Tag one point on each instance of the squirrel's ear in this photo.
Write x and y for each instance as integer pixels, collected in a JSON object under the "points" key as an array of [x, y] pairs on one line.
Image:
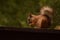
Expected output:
{"points": [[30, 15]]}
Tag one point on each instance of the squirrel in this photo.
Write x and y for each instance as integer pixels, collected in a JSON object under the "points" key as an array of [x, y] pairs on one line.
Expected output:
{"points": [[43, 20]]}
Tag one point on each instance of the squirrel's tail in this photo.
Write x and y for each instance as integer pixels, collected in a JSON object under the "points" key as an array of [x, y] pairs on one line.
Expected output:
{"points": [[46, 9]]}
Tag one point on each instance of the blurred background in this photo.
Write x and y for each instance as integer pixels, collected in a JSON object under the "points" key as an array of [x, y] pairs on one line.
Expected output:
{"points": [[14, 12]]}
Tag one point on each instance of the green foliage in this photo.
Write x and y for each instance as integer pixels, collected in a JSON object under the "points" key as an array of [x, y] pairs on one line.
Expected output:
{"points": [[14, 12]]}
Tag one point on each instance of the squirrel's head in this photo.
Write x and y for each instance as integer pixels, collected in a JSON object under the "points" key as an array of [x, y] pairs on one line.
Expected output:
{"points": [[31, 19]]}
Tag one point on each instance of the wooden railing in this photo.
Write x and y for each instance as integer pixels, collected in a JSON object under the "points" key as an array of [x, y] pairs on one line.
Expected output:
{"points": [[29, 30]]}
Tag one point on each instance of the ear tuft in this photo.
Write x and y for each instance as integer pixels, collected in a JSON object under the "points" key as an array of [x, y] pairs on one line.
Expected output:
{"points": [[30, 15]]}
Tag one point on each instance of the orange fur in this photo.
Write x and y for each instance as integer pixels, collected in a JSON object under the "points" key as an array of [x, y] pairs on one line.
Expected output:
{"points": [[43, 20]]}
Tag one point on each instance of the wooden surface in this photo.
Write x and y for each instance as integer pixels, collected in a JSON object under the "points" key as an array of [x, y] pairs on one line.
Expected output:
{"points": [[29, 30]]}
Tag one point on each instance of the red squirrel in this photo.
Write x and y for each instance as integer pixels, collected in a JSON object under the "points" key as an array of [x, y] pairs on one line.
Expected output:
{"points": [[43, 20]]}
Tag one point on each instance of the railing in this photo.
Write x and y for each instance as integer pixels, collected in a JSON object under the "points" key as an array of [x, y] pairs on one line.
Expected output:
{"points": [[29, 30]]}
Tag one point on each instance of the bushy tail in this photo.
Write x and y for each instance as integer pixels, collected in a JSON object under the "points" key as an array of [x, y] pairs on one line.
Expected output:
{"points": [[46, 8]]}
